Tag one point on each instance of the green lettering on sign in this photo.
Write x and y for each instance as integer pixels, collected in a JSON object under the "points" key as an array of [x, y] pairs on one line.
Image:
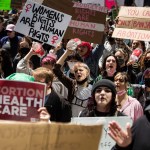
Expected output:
{"points": [[5, 4]]}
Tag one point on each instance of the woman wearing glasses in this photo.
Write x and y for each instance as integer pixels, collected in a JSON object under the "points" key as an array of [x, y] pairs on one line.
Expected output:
{"points": [[126, 104]]}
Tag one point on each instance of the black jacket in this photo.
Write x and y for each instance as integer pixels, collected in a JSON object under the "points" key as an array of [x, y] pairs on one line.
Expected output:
{"points": [[58, 108], [94, 113]]}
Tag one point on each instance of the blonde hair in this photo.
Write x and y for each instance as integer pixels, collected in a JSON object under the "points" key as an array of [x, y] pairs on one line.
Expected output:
{"points": [[43, 73], [80, 64]]}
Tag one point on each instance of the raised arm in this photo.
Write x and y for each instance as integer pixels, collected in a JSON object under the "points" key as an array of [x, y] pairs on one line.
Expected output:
{"points": [[62, 59], [59, 73], [23, 64]]}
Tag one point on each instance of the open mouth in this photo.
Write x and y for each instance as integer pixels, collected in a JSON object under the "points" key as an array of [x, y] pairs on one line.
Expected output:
{"points": [[110, 66], [78, 76]]}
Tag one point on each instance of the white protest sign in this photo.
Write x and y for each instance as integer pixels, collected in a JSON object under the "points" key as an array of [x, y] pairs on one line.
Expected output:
{"points": [[106, 142], [42, 23], [100, 2]]}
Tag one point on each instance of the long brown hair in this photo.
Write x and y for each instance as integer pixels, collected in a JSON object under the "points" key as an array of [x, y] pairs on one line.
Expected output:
{"points": [[141, 62]]}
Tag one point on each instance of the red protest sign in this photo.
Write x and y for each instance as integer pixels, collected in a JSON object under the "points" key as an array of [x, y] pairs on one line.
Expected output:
{"points": [[20, 100]]}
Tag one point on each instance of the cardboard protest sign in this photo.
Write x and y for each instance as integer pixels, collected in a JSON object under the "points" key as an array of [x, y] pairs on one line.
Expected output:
{"points": [[100, 2], [133, 23], [42, 23], [16, 4], [45, 136], [20, 100], [106, 142], [132, 34], [136, 12], [5, 4], [87, 19]]}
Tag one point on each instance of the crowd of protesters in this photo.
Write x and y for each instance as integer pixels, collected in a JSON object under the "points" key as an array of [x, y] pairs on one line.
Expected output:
{"points": [[93, 80]]}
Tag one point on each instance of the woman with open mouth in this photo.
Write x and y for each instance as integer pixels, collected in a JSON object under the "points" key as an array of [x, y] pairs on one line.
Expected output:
{"points": [[109, 68], [79, 89]]}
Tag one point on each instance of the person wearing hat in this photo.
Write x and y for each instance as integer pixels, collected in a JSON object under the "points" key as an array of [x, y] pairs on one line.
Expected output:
{"points": [[11, 41], [90, 56], [25, 66], [137, 137], [102, 102]]}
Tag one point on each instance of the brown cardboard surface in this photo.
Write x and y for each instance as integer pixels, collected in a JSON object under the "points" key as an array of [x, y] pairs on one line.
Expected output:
{"points": [[16, 4], [79, 14], [123, 33], [133, 23], [46, 136], [136, 12]]}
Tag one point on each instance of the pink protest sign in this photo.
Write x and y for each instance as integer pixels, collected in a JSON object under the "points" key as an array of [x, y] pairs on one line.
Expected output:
{"points": [[110, 3], [20, 100]]}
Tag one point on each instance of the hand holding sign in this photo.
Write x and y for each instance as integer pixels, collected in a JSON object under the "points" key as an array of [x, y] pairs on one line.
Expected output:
{"points": [[44, 115], [73, 44], [38, 49]]}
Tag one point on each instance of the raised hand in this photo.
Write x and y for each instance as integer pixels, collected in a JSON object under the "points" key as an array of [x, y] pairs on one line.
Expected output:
{"points": [[122, 138]]}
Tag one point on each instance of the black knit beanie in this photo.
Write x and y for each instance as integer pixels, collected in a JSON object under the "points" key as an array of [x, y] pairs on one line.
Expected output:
{"points": [[105, 83]]}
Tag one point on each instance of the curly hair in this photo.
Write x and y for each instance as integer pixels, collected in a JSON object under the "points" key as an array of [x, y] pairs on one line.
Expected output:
{"points": [[141, 62]]}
